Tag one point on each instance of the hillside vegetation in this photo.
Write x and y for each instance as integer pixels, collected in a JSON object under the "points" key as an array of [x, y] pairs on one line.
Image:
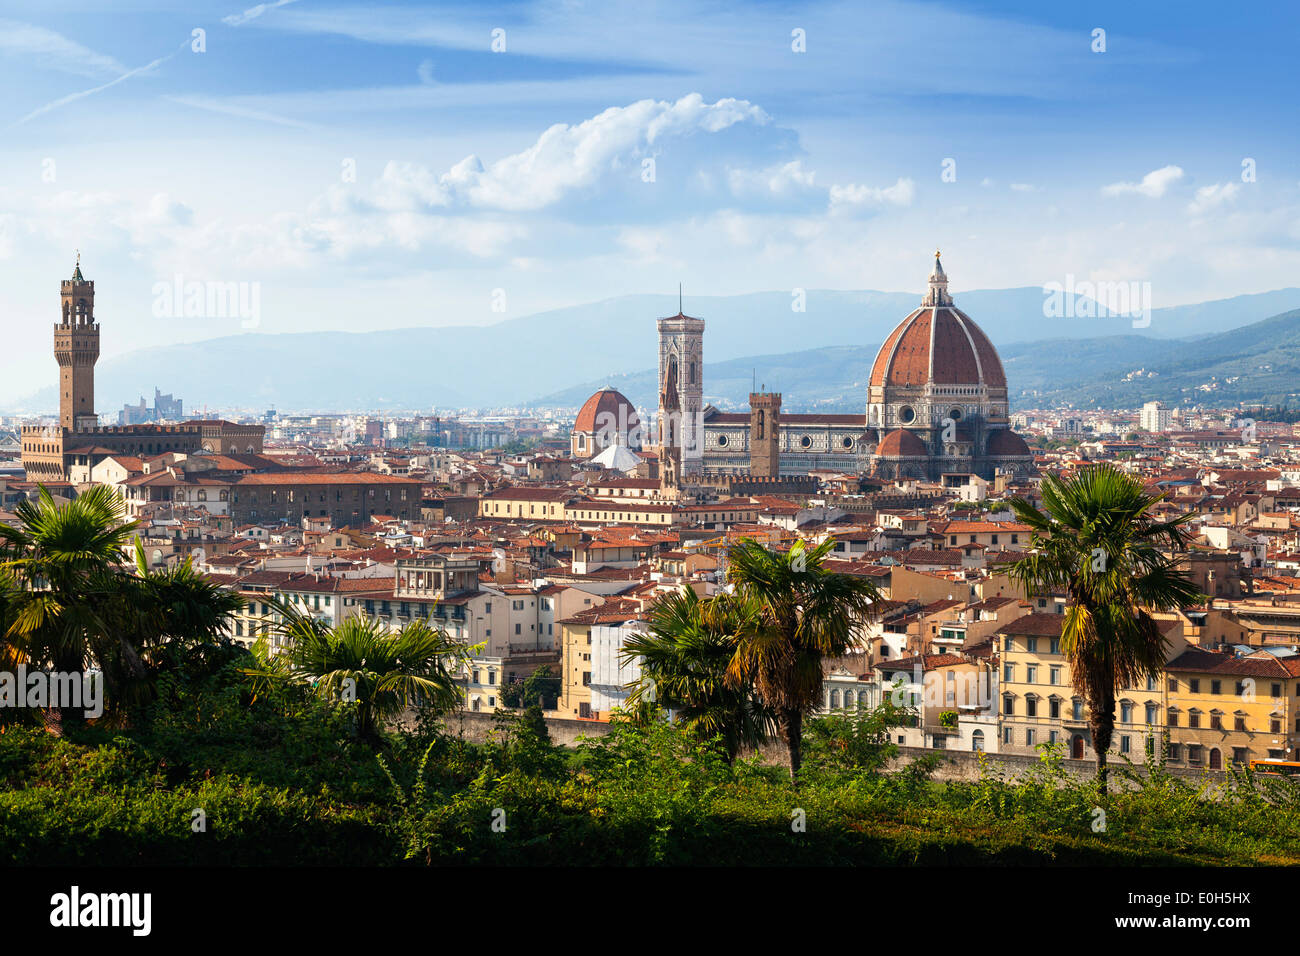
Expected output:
{"points": [[290, 783]]}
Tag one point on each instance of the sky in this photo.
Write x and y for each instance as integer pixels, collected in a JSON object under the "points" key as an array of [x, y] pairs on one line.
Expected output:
{"points": [[358, 166]]}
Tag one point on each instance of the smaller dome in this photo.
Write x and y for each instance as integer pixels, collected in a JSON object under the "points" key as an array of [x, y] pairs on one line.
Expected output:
{"points": [[901, 443], [616, 458], [607, 409], [1004, 443]]}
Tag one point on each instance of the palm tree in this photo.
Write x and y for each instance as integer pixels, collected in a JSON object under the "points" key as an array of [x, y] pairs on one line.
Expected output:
{"points": [[161, 616], [382, 670], [62, 567], [790, 614], [684, 659], [69, 601], [1096, 541]]}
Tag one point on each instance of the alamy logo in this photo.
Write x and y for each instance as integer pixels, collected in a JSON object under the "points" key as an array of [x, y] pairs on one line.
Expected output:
{"points": [[619, 429], [968, 688], [678, 429], [179, 299], [70, 690], [74, 908], [1098, 300]]}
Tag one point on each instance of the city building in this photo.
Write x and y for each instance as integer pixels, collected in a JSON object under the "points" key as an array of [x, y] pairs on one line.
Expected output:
{"points": [[605, 420], [1225, 707], [1155, 417], [49, 452], [165, 408], [936, 403], [937, 397]]}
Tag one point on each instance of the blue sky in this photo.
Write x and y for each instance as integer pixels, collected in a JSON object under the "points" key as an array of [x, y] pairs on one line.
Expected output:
{"points": [[518, 179]]}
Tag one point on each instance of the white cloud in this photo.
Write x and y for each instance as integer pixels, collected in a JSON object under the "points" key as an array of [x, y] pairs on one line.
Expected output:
{"points": [[228, 108], [167, 211], [1154, 184], [645, 244], [858, 198], [1210, 197], [565, 159], [82, 94], [779, 182], [252, 13], [1025, 188], [54, 49]]}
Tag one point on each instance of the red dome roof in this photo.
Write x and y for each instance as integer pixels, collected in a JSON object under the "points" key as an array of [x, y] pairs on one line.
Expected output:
{"points": [[1004, 443], [938, 344], [901, 443], [602, 411]]}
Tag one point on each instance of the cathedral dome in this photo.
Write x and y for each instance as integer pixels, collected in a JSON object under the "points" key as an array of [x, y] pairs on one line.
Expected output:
{"points": [[605, 419], [1004, 443], [901, 443], [937, 344], [607, 408]]}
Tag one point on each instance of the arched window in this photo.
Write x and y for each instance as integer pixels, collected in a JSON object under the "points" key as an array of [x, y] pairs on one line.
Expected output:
{"points": [[977, 740], [835, 700]]}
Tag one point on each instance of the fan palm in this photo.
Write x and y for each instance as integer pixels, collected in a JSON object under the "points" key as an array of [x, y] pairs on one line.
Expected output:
{"points": [[382, 670], [684, 659], [68, 600], [63, 564], [1096, 541], [790, 613], [160, 615]]}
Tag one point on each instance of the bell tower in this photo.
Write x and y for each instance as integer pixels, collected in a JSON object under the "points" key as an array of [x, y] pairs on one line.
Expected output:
{"points": [[681, 393], [765, 434], [76, 349]]}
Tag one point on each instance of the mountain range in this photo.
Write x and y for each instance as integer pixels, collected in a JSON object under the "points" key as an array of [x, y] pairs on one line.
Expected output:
{"points": [[818, 357]]}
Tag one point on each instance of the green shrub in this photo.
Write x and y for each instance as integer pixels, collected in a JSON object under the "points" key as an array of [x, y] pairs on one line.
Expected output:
{"points": [[285, 782]]}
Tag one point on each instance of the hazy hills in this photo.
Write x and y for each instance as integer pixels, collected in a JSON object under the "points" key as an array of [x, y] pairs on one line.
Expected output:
{"points": [[1256, 363], [818, 357]]}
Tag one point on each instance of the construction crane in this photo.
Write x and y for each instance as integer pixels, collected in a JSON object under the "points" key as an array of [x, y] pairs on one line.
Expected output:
{"points": [[780, 537]]}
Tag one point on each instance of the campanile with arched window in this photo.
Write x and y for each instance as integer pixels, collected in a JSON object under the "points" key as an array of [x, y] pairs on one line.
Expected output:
{"points": [[76, 349]]}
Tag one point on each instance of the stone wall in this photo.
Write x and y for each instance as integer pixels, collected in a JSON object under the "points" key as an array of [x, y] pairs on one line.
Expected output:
{"points": [[564, 731], [963, 766], [955, 766]]}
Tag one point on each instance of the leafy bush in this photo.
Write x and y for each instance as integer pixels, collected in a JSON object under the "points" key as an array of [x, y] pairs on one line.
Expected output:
{"points": [[283, 781]]}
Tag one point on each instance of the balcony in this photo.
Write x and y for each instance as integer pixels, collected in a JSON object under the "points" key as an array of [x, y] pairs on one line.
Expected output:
{"points": [[527, 654], [932, 725]]}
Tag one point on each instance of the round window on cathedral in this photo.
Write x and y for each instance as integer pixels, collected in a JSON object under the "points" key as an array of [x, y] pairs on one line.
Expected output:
{"points": [[722, 441], [954, 414], [907, 414], [806, 441], [847, 442]]}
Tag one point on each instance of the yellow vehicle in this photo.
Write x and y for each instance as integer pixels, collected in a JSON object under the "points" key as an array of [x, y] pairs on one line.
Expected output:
{"points": [[1276, 768]]}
